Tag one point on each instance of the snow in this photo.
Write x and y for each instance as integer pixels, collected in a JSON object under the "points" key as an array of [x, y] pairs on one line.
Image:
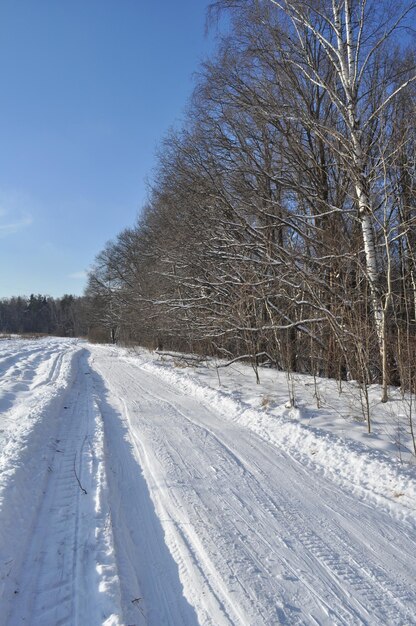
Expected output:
{"points": [[136, 491]]}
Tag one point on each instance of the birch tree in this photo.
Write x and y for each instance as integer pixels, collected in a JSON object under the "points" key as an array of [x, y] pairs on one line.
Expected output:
{"points": [[355, 39]]}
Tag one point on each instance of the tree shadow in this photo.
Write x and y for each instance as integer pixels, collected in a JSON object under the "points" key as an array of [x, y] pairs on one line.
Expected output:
{"points": [[151, 590]]}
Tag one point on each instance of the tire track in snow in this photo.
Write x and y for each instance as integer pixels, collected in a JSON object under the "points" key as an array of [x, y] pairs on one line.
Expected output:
{"points": [[219, 577], [252, 543], [285, 538], [64, 579], [28, 350], [348, 569], [151, 593]]}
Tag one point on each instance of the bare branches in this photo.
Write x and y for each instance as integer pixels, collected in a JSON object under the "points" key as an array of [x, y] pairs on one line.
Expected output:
{"points": [[281, 223]]}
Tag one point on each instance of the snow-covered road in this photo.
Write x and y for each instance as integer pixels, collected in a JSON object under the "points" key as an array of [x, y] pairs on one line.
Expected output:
{"points": [[126, 499]]}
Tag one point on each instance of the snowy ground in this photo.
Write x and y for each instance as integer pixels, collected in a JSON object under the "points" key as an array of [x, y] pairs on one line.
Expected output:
{"points": [[135, 491]]}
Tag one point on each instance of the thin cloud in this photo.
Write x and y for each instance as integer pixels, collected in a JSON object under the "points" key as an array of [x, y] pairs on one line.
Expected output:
{"points": [[10, 224], [78, 275]]}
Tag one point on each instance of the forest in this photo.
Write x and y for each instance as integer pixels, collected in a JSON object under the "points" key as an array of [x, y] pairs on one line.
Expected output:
{"points": [[40, 314], [280, 225]]}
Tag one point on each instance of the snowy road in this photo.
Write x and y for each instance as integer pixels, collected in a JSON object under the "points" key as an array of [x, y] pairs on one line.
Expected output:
{"points": [[125, 500]]}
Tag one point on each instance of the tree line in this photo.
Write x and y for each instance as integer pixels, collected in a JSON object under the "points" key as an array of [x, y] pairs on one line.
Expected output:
{"points": [[280, 224], [65, 317]]}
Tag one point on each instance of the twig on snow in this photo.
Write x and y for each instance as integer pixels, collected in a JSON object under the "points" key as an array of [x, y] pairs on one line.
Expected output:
{"points": [[76, 476]]}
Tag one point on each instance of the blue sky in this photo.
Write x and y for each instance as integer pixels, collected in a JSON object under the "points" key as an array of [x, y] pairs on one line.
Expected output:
{"points": [[88, 90]]}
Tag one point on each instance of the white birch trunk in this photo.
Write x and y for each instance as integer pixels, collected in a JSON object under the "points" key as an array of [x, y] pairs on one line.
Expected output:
{"points": [[379, 313]]}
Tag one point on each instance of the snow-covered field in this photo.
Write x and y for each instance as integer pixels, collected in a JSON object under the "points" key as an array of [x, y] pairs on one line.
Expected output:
{"points": [[137, 491]]}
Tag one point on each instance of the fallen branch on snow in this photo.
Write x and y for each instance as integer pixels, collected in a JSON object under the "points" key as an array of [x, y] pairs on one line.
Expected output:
{"points": [[76, 475]]}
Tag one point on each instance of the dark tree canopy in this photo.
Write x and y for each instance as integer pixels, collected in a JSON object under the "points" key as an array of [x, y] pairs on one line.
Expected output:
{"points": [[64, 316]]}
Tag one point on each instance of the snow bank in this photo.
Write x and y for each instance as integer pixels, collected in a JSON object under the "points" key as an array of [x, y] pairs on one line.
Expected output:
{"points": [[368, 471]]}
